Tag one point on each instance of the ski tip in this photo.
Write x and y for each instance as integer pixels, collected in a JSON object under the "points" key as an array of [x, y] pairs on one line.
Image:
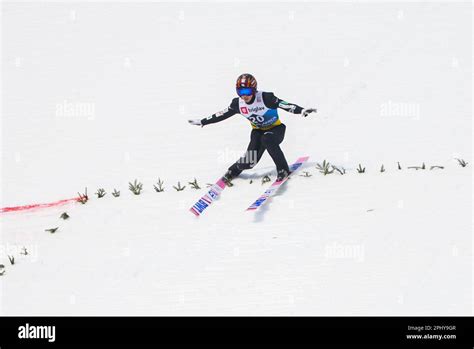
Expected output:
{"points": [[192, 210], [302, 159]]}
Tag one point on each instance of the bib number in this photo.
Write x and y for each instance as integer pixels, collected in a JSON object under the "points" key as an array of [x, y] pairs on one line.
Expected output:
{"points": [[258, 118]]}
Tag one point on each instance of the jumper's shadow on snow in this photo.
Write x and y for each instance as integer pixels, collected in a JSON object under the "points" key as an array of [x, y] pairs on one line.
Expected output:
{"points": [[270, 171], [259, 175]]}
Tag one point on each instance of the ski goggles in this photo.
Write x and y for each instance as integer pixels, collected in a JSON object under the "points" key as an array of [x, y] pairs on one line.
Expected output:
{"points": [[245, 91]]}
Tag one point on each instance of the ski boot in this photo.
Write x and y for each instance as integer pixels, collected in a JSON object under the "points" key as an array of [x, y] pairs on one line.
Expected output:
{"points": [[227, 178], [282, 174]]}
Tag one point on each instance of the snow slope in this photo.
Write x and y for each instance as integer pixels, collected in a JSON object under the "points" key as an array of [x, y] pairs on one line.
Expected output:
{"points": [[98, 94]]}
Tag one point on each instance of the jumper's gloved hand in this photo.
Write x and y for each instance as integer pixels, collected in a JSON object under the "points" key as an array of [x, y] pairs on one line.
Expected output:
{"points": [[308, 111], [196, 122]]}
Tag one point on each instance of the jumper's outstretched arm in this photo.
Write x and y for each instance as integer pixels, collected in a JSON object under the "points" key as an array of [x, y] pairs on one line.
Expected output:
{"points": [[232, 109]]}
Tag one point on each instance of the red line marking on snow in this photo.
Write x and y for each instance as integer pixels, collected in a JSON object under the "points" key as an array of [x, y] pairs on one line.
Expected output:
{"points": [[29, 207]]}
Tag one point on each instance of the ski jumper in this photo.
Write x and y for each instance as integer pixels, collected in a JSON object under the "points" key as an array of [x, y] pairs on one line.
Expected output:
{"points": [[267, 129]]}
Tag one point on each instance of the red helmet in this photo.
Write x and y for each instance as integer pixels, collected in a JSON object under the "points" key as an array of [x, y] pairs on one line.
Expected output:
{"points": [[246, 85], [246, 80]]}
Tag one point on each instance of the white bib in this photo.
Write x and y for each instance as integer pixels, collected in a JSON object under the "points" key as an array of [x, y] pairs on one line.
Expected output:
{"points": [[257, 113]]}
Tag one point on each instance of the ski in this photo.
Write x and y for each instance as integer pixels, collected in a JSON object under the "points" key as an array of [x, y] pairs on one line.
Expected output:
{"points": [[207, 199], [277, 184]]}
